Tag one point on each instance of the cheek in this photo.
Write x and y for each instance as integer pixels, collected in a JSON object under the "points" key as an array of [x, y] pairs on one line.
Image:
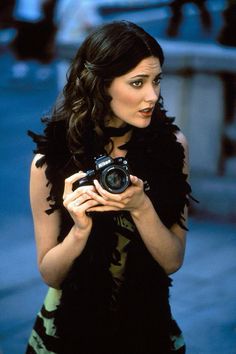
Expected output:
{"points": [[124, 98]]}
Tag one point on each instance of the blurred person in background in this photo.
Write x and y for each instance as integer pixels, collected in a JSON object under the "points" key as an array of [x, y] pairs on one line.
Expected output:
{"points": [[6, 13], [227, 36], [35, 37], [176, 7], [6, 22], [109, 197]]}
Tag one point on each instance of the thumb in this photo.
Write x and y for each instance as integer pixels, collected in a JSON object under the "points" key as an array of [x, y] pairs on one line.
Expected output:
{"points": [[136, 181]]}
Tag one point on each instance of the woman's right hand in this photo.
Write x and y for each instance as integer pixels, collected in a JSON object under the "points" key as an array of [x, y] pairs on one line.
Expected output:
{"points": [[56, 258], [77, 202]]}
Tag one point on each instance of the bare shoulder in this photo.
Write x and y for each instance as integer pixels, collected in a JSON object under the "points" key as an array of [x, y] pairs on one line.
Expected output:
{"points": [[38, 181], [181, 138], [37, 172], [183, 141], [36, 158]]}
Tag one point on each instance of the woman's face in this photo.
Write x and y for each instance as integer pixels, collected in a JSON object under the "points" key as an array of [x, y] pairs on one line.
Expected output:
{"points": [[135, 94]]}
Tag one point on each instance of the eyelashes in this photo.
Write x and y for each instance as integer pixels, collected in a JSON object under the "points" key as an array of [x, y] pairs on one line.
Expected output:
{"points": [[159, 78], [139, 82]]}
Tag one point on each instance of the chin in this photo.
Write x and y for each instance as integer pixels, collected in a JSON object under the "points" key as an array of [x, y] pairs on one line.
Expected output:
{"points": [[144, 124]]}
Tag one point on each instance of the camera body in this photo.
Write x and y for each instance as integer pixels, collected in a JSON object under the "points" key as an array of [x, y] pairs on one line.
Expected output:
{"points": [[112, 174]]}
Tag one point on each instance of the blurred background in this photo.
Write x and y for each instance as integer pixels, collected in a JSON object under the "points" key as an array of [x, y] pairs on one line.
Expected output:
{"points": [[38, 39]]}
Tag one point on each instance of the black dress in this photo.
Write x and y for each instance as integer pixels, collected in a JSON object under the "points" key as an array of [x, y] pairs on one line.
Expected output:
{"points": [[115, 299]]}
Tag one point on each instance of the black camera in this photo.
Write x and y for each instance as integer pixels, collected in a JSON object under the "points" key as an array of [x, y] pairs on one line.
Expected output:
{"points": [[112, 174]]}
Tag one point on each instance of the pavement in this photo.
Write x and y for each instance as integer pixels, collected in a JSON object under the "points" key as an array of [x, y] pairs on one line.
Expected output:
{"points": [[204, 294]]}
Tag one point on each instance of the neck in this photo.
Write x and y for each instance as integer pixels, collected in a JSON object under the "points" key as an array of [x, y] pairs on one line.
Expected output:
{"points": [[117, 145], [114, 132], [119, 140]]}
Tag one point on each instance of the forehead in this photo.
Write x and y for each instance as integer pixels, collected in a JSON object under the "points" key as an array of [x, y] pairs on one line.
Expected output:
{"points": [[146, 66]]}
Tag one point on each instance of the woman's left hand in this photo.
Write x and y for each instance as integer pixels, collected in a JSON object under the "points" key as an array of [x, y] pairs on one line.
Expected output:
{"points": [[131, 199]]}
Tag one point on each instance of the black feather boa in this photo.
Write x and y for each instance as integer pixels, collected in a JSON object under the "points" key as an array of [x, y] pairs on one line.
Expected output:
{"points": [[87, 320]]}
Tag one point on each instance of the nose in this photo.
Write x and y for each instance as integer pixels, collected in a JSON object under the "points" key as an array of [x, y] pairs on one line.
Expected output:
{"points": [[152, 94]]}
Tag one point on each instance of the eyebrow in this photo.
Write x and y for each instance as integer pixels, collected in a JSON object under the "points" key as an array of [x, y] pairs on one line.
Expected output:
{"points": [[144, 75]]}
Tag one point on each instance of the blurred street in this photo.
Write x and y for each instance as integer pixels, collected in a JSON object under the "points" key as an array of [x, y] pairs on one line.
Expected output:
{"points": [[204, 294], [22, 103], [203, 297]]}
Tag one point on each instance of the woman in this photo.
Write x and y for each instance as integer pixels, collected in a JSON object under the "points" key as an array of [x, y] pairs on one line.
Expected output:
{"points": [[106, 255]]}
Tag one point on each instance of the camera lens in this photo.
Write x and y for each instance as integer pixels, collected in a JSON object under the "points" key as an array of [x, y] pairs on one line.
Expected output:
{"points": [[115, 179]]}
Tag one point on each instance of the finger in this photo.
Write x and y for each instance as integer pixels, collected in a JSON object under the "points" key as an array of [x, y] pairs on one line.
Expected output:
{"points": [[103, 201], [76, 193], [81, 209], [105, 194], [102, 208], [71, 203], [79, 194], [86, 206], [136, 181], [70, 180], [73, 198], [83, 189]]}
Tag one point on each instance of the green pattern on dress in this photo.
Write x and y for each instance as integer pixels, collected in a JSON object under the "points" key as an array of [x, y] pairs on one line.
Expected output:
{"points": [[51, 302], [37, 344], [118, 269], [177, 342]]}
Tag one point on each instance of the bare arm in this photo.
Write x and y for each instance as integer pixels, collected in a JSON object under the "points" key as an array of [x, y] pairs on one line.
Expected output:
{"points": [[169, 247], [55, 259]]}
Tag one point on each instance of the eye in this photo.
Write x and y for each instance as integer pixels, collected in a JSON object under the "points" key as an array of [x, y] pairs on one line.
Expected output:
{"points": [[137, 83], [157, 80]]}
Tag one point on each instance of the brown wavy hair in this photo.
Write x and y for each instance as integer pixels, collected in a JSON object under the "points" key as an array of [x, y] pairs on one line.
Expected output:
{"points": [[109, 52]]}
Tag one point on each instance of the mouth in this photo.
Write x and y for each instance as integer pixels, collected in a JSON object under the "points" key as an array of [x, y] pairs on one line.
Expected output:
{"points": [[147, 112]]}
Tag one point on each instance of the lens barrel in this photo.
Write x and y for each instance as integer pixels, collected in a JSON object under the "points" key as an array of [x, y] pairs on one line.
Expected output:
{"points": [[115, 179]]}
